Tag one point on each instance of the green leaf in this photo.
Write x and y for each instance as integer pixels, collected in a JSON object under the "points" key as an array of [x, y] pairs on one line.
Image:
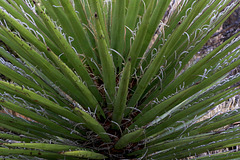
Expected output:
{"points": [[38, 118], [35, 98], [121, 99], [7, 151], [16, 137], [42, 146], [108, 68], [84, 154], [98, 79], [80, 35], [117, 32], [92, 124], [128, 138]]}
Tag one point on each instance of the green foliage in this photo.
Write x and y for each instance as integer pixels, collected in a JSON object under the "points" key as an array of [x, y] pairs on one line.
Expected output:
{"points": [[90, 80]]}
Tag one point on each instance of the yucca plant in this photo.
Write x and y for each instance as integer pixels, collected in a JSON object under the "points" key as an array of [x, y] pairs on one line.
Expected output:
{"points": [[96, 79]]}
